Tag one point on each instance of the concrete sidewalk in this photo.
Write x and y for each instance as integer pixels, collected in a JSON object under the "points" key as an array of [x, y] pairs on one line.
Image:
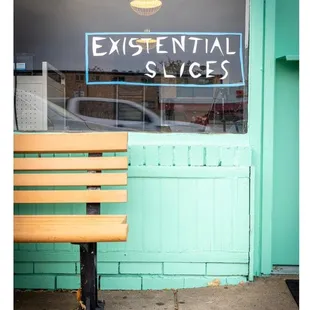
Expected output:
{"points": [[262, 294]]}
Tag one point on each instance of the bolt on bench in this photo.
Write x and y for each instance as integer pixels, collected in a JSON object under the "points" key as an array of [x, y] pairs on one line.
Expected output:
{"points": [[85, 230]]}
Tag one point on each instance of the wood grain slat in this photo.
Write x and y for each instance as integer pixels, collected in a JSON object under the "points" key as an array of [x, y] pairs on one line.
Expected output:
{"points": [[56, 230], [84, 179], [70, 163], [63, 219], [69, 196], [71, 142]]}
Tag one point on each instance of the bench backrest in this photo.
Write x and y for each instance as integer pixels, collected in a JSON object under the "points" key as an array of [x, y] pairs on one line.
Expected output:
{"points": [[70, 171]]}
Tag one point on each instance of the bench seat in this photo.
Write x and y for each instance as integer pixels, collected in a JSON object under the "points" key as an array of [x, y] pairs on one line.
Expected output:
{"points": [[70, 228], [66, 168], [92, 173]]}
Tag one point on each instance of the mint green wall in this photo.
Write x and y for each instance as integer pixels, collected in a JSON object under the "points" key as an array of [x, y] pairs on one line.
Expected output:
{"points": [[270, 43], [285, 250], [287, 27], [188, 215], [261, 100], [285, 215]]}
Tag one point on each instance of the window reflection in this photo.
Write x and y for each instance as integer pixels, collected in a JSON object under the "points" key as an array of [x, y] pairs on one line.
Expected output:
{"points": [[55, 91]]}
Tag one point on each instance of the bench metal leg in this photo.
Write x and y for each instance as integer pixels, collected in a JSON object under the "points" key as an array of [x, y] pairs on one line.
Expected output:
{"points": [[88, 261]]}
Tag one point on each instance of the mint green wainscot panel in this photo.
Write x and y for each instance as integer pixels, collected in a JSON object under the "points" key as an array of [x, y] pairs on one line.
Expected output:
{"points": [[186, 205], [183, 214]]}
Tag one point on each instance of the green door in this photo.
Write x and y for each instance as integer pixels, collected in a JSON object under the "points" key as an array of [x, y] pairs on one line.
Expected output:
{"points": [[285, 236]]}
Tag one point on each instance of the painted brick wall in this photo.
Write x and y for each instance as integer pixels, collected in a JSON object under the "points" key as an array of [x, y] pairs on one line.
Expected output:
{"points": [[129, 276], [188, 215]]}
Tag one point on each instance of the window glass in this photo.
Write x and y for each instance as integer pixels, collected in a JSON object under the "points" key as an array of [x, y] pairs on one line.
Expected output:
{"points": [[97, 109], [137, 65], [129, 113]]}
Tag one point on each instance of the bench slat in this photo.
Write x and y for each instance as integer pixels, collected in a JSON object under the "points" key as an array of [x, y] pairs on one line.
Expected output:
{"points": [[72, 230], [89, 218], [69, 143], [69, 196], [71, 163], [86, 179]]}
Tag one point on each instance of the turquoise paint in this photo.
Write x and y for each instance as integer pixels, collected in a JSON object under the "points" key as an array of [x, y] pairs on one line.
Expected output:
{"points": [[268, 137], [252, 253], [137, 156], [261, 123], [45, 256], [285, 217], [184, 268], [216, 269], [196, 155], [206, 228], [68, 282], [23, 268], [228, 156], [128, 256], [34, 282], [64, 268], [102, 268], [186, 230], [281, 41], [166, 155], [289, 58], [151, 214], [125, 282], [152, 155], [120, 283], [255, 115], [285, 234], [287, 28], [213, 156], [241, 215], [187, 139], [168, 197], [181, 155], [159, 282], [140, 268], [173, 224]]}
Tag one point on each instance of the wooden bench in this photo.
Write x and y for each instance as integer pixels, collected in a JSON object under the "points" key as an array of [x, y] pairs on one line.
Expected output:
{"points": [[86, 172]]}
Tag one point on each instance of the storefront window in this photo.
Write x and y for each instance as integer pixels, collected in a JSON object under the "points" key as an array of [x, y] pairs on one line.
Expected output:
{"points": [[142, 65]]}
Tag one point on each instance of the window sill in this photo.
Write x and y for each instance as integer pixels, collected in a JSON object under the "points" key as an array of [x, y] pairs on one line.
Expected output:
{"points": [[179, 139], [189, 139]]}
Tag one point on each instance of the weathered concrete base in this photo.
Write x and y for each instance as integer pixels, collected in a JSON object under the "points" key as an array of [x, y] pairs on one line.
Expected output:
{"points": [[263, 294]]}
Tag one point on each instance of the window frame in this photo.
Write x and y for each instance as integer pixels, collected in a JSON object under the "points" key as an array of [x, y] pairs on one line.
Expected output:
{"points": [[255, 38]]}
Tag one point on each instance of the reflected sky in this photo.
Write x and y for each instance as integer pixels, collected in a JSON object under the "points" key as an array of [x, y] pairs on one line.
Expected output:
{"points": [[53, 30]]}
